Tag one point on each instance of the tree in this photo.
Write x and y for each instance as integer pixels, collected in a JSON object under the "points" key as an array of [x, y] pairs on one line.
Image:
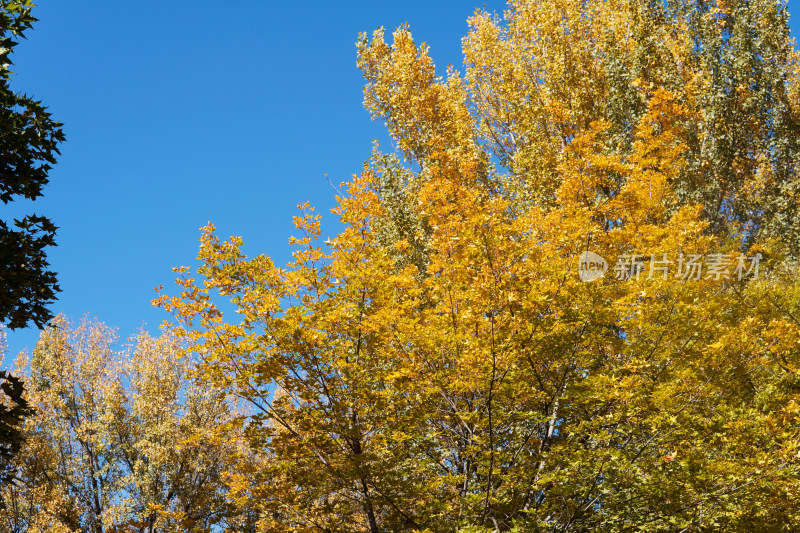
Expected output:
{"points": [[28, 146], [12, 413], [121, 441], [14, 408], [29, 140], [440, 365]]}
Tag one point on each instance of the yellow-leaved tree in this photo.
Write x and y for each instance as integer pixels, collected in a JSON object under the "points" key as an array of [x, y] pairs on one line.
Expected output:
{"points": [[451, 361], [121, 441]]}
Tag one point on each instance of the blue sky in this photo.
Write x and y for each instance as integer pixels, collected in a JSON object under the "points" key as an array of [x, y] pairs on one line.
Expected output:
{"points": [[180, 113]]}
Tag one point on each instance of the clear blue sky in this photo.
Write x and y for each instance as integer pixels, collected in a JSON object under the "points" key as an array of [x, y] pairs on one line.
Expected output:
{"points": [[184, 112]]}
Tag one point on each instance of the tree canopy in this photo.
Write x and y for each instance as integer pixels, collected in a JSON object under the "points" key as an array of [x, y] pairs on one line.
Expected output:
{"points": [[123, 441], [29, 140], [567, 301], [439, 365]]}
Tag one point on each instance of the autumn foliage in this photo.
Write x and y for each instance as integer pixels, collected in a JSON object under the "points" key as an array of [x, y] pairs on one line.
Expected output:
{"points": [[440, 366], [121, 441]]}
